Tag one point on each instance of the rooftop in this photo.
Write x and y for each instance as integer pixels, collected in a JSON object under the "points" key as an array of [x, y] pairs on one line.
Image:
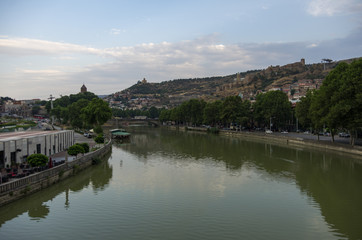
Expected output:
{"points": [[20, 135]]}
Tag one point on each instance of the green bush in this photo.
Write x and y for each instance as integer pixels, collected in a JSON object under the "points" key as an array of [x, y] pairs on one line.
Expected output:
{"points": [[75, 149], [99, 139], [37, 160], [85, 146], [98, 129]]}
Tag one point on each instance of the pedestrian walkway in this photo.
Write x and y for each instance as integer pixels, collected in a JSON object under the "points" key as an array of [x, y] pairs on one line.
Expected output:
{"points": [[78, 138]]}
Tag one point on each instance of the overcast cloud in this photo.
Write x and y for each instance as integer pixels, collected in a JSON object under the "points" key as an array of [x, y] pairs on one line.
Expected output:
{"points": [[36, 65]]}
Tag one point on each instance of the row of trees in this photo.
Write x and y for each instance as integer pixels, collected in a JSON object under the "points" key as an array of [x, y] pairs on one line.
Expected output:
{"points": [[269, 107], [337, 104], [81, 111], [152, 112]]}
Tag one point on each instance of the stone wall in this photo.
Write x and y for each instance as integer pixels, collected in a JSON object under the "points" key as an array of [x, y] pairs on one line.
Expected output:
{"points": [[340, 148], [19, 188]]}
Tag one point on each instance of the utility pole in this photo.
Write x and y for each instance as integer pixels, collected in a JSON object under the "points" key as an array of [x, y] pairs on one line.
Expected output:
{"points": [[51, 108]]}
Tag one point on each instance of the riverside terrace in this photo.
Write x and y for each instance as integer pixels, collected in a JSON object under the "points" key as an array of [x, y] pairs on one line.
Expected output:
{"points": [[15, 147]]}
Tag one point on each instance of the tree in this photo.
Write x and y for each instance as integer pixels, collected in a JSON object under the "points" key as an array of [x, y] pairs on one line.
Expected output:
{"points": [[231, 110], [273, 107], [76, 115], [153, 112], [196, 109], [302, 110], [97, 112], [338, 103], [37, 160], [165, 115], [85, 146], [292, 92], [99, 139], [75, 150], [212, 112]]}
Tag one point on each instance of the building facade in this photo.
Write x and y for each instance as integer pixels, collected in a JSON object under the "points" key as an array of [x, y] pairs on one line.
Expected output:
{"points": [[15, 147]]}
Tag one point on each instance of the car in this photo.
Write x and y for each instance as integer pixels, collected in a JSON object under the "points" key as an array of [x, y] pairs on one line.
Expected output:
{"points": [[88, 135], [268, 131], [343, 134], [284, 132]]}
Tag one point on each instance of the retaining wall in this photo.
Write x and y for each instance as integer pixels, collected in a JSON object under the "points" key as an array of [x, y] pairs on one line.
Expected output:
{"points": [[356, 151], [19, 188]]}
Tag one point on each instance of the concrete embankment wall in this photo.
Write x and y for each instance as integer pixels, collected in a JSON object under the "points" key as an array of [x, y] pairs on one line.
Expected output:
{"points": [[356, 151], [19, 188], [339, 148]]}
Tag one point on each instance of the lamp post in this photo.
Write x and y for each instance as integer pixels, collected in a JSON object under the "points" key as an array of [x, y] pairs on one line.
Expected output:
{"points": [[51, 107]]}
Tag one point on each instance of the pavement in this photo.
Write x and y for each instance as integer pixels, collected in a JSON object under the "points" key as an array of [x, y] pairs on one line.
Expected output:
{"points": [[78, 138]]}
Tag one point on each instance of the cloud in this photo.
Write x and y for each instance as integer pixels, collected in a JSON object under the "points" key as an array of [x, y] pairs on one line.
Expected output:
{"points": [[115, 31], [333, 7], [26, 46], [114, 69]]}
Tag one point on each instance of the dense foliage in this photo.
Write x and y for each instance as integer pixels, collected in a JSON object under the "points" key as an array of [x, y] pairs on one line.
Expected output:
{"points": [[153, 112], [75, 150], [81, 111], [85, 146], [99, 139], [37, 160], [233, 112], [337, 105], [273, 107]]}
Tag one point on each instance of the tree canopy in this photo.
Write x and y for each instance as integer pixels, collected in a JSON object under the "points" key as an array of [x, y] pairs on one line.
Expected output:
{"points": [[37, 160], [338, 102], [274, 107], [82, 110]]}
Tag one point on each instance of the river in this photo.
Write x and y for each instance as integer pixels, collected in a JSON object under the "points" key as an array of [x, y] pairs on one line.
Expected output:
{"points": [[185, 185]]}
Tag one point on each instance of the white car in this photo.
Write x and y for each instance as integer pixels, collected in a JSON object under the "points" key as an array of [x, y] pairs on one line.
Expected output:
{"points": [[269, 131]]}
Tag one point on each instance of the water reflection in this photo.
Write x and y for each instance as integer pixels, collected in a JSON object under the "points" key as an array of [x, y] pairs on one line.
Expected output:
{"points": [[38, 212], [331, 180], [36, 204]]}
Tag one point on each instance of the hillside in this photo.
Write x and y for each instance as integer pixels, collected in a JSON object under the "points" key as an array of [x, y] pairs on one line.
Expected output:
{"points": [[294, 79]]}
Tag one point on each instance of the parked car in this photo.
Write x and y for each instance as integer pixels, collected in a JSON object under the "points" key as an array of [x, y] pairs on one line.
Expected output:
{"points": [[343, 134], [88, 135], [284, 132], [268, 131]]}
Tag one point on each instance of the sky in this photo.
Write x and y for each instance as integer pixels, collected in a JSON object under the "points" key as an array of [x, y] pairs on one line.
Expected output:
{"points": [[56, 46]]}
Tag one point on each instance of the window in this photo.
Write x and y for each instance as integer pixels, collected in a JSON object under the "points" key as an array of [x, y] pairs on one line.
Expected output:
{"points": [[2, 160], [38, 148]]}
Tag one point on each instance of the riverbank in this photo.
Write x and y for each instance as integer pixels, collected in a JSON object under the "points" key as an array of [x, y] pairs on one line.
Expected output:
{"points": [[297, 140], [20, 188]]}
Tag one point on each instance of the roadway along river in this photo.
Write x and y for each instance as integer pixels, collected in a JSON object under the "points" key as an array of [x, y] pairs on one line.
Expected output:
{"points": [[176, 185]]}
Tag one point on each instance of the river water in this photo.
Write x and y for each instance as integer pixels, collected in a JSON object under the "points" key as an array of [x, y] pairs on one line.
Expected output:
{"points": [[177, 185]]}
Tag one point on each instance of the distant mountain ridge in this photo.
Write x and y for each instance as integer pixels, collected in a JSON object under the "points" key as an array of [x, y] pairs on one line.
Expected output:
{"points": [[246, 84]]}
